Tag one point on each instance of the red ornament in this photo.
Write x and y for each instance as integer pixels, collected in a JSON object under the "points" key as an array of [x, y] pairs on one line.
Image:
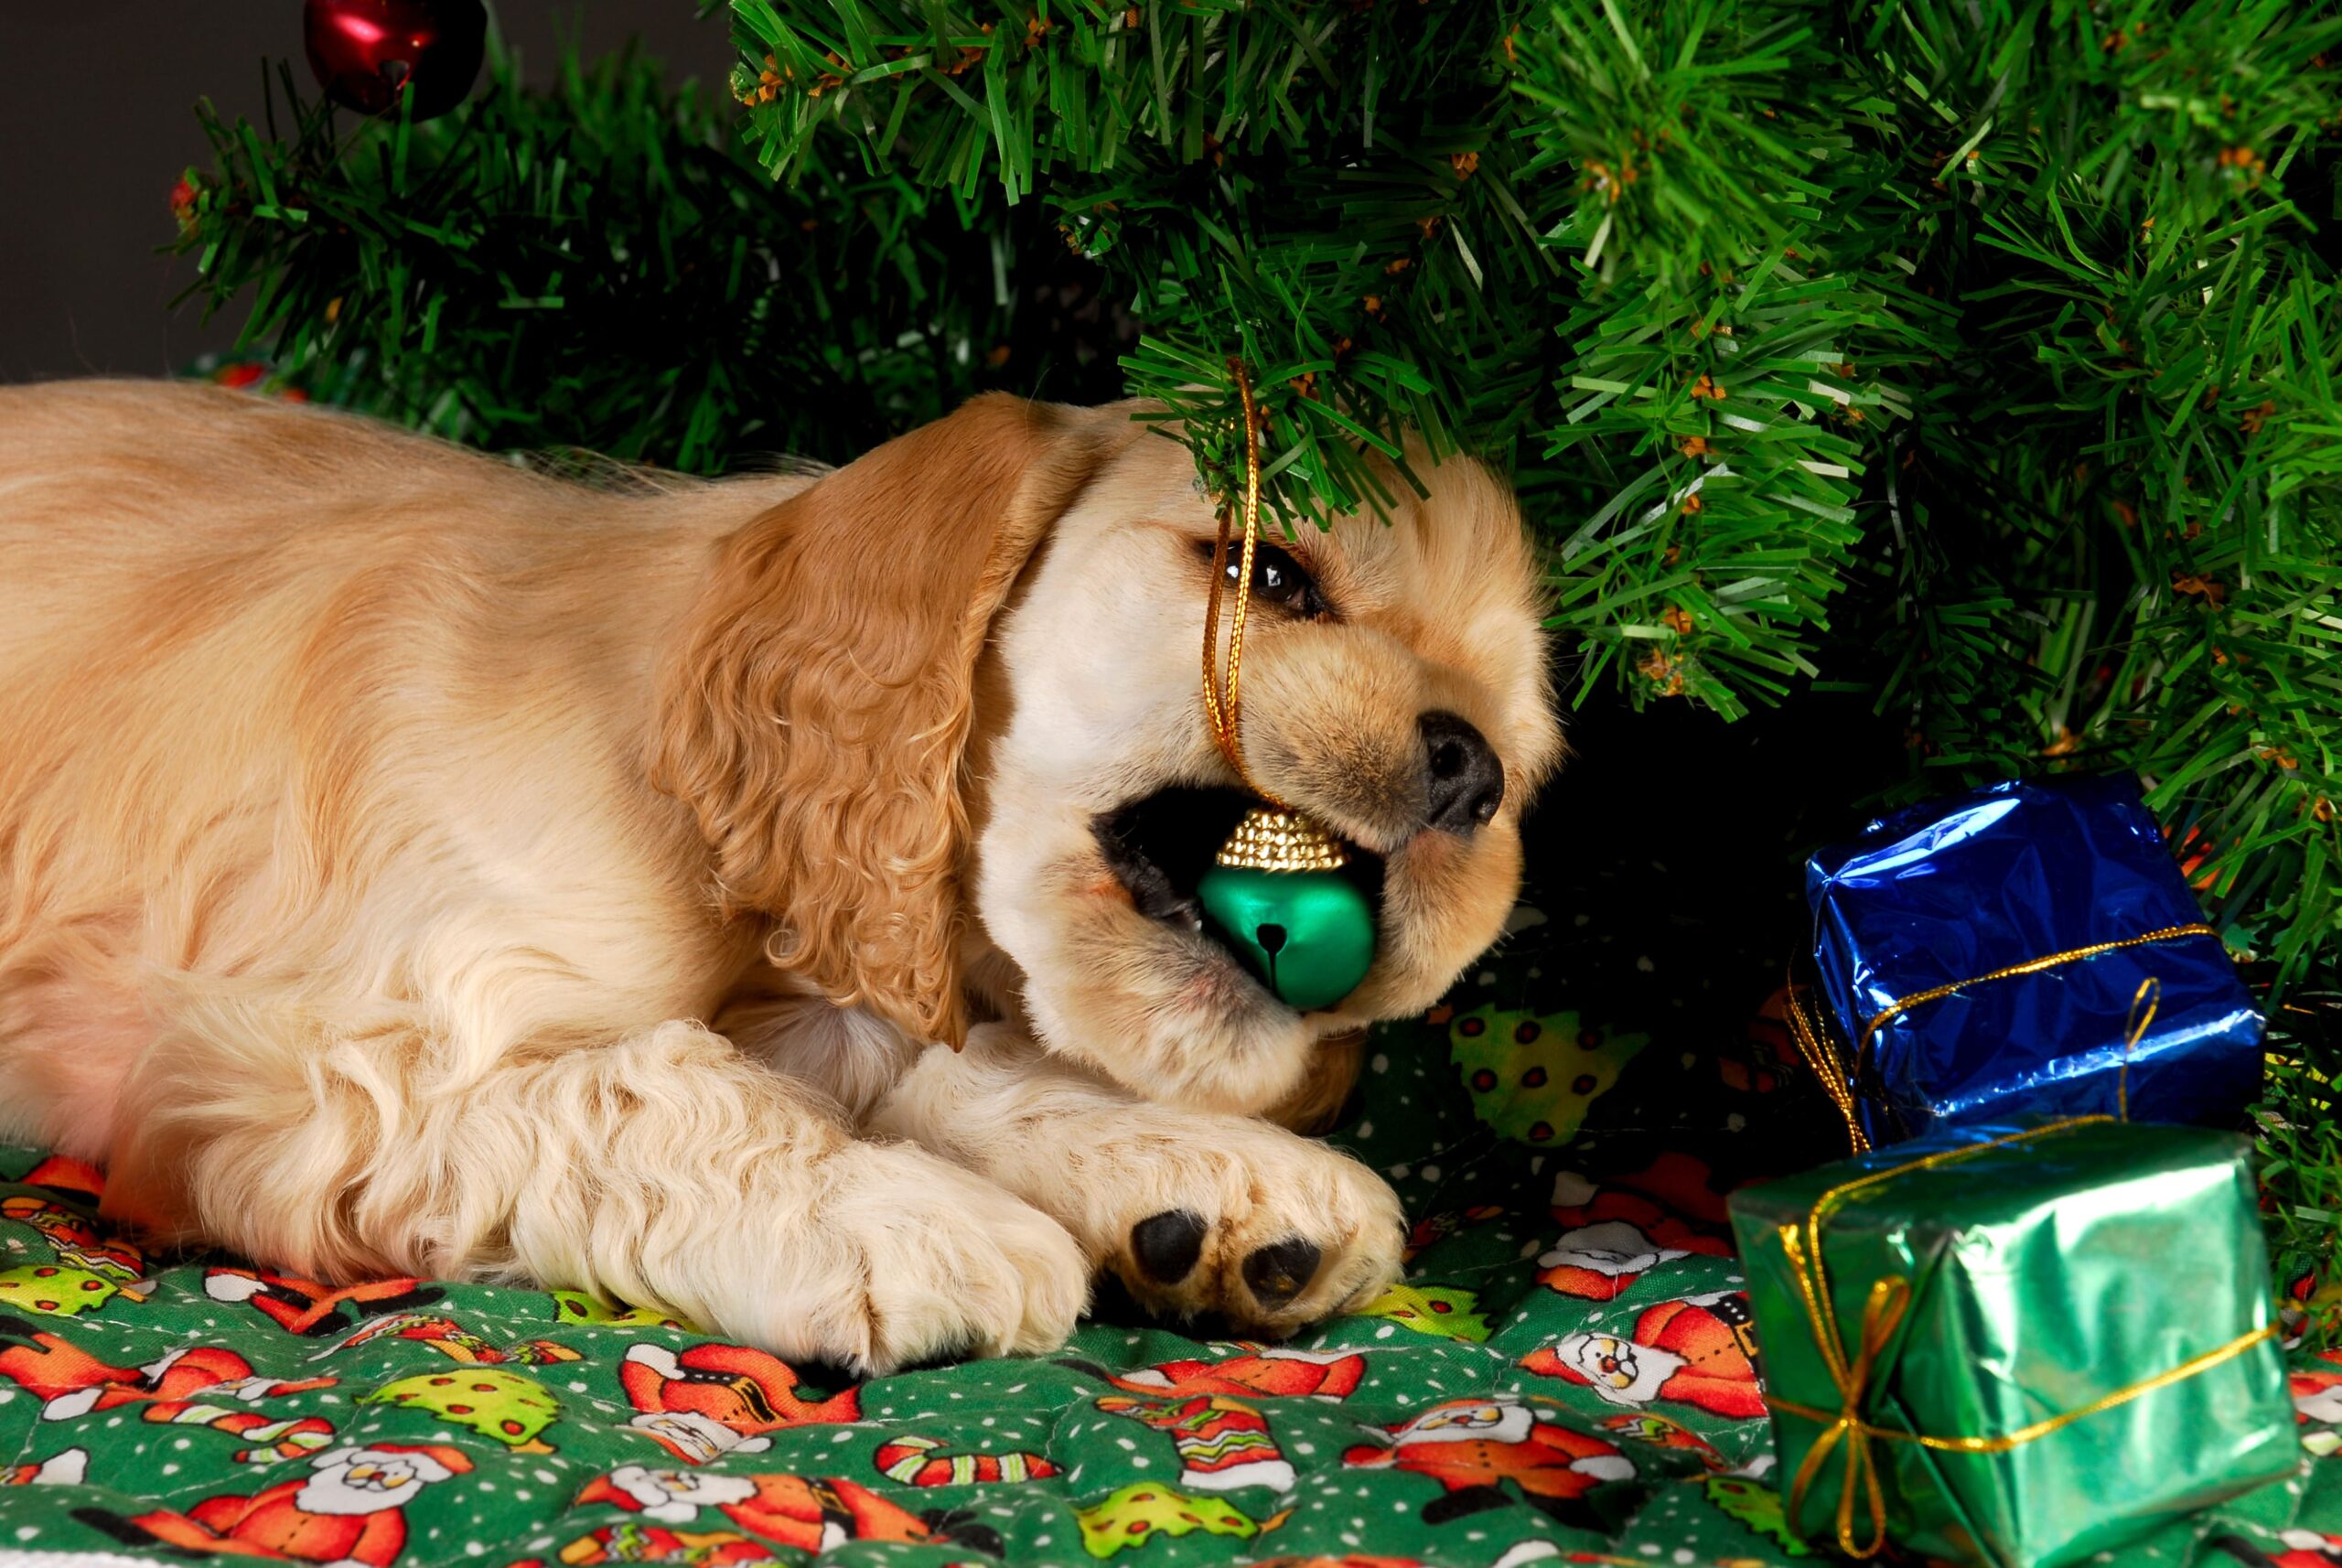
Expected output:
{"points": [[368, 53], [184, 196]]}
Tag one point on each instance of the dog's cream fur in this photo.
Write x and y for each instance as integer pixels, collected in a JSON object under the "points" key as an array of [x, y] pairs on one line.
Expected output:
{"points": [[410, 863]]}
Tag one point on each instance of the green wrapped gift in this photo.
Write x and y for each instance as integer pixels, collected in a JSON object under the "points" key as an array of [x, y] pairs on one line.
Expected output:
{"points": [[2016, 1346]]}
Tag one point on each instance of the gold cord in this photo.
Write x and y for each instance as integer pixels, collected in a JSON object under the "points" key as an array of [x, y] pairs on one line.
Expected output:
{"points": [[1809, 1030], [1223, 713], [1882, 1313]]}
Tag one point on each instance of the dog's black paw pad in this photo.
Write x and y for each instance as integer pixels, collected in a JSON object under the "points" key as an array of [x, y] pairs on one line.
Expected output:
{"points": [[1167, 1245], [1281, 1270]]}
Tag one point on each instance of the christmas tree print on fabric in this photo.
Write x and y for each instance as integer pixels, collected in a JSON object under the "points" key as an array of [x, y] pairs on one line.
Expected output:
{"points": [[502, 1405], [1534, 1079]]}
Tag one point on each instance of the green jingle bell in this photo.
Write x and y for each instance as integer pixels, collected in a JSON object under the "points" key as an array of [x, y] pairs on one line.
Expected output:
{"points": [[1276, 895]]}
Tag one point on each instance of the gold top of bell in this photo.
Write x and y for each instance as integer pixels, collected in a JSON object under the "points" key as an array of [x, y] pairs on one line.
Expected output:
{"points": [[1273, 839]]}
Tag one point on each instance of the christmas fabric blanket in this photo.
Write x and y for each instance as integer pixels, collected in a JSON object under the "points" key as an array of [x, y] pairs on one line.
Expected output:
{"points": [[1567, 1373]]}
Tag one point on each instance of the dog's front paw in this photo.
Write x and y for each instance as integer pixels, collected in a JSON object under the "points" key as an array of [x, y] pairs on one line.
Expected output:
{"points": [[1238, 1217], [915, 1259]]}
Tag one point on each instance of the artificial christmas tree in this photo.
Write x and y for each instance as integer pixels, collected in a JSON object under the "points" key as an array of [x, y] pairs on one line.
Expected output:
{"points": [[1974, 360]]}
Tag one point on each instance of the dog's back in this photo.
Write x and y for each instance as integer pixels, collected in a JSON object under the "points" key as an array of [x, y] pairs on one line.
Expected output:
{"points": [[285, 693]]}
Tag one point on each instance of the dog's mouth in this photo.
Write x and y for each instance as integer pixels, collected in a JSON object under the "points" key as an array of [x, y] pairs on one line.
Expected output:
{"points": [[1160, 847]]}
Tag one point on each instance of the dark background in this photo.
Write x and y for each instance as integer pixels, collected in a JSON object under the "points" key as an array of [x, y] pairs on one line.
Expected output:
{"points": [[97, 121]]}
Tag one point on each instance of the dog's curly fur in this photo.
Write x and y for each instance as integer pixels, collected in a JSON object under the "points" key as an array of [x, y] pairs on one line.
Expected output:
{"points": [[411, 863]]}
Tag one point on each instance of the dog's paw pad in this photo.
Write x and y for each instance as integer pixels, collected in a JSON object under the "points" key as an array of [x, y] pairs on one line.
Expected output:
{"points": [[1166, 1245], [1265, 1231], [1281, 1270]]}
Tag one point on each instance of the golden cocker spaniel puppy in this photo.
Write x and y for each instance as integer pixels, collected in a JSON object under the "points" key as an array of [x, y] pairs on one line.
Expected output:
{"points": [[769, 900]]}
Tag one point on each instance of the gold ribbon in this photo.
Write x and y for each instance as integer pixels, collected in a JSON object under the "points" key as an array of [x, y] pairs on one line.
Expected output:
{"points": [[1816, 1041], [2149, 992], [1882, 1313], [1810, 1032], [1222, 712], [1888, 1014]]}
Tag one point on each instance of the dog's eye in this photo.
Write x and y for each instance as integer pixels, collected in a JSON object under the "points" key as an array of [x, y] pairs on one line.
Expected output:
{"points": [[1278, 579]]}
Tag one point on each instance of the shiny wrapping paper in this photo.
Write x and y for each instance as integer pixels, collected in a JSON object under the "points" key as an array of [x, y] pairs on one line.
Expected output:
{"points": [[1952, 890], [2044, 1275]]}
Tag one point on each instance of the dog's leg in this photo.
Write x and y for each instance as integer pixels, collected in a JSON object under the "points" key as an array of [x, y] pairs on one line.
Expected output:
{"points": [[666, 1170], [1194, 1211]]}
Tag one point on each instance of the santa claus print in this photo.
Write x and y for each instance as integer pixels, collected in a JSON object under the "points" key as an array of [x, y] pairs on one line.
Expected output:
{"points": [[807, 1513], [1614, 1235], [691, 1437], [67, 1467], [1648, 1426], [719, 1399], [351, 1509], [1472, 1446], [1275, 1373], [667, 1496], [2291, 1549], [200, 1385], [2316, 1388], [1624, 1236], [1699, 1351], [454, 1341], [636, 1543], [77, 1179], [304, 1306]]}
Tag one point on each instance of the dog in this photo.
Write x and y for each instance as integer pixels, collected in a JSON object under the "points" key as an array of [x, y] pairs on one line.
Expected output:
{"points": [[768, 900]]}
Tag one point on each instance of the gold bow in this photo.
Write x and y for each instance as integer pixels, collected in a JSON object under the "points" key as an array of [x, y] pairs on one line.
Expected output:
{"points": [[1883, 1313]]}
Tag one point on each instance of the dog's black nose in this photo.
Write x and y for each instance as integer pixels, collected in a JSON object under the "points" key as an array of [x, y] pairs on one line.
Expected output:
{"points": [[1465, 779]]}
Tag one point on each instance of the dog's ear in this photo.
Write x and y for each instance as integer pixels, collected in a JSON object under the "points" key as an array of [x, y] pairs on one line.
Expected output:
{"points": [[815, 713]]}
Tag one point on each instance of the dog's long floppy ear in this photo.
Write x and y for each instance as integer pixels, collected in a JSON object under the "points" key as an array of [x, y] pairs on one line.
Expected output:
{"points": [[816, 712]]}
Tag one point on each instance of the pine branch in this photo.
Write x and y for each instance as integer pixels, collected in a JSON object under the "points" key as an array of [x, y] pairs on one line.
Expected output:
{"points": [[602, 267], [1979, 355]]}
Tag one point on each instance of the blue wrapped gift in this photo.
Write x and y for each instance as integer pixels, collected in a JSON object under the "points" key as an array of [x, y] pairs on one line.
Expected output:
{"points": [[1990, 957]]}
